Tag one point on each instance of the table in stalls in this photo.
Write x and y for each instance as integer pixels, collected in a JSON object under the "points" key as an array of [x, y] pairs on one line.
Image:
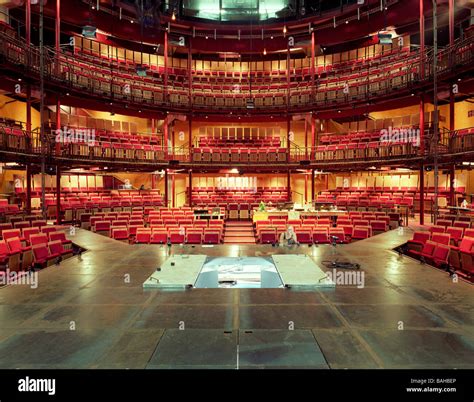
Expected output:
{"points": [[461, 211], [209, 216]]}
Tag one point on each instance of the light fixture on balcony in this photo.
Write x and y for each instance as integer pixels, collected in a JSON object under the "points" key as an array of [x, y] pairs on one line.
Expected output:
{"points": [[141, 70], [89, 31], [173, 16]]}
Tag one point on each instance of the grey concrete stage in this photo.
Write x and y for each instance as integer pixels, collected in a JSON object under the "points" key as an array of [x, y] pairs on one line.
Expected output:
{"points": [[94, 313]]}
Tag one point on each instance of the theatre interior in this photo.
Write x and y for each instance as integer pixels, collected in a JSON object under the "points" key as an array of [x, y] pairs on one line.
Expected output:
{"points": [[222, 184]]}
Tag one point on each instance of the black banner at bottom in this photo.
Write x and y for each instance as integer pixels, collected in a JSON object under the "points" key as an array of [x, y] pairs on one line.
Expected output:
{"points": [[237, 385]]}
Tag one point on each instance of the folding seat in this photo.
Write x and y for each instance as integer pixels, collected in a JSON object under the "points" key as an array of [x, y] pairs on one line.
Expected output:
{"points": [[194, 236], [337, 233], [56, 247], [39, 239], [378, 227], [361, 232], [177, 236], [460, 224], [102, 227], [321, 235], [211, 236], [143, 236], [324, 221], [444, 222], [469, 233], [38, 223], [200, 223], [61, 236], [268, 236], [456, 234], [5, 226], [427, 250], [437, 229], [42, 256], [440, 256], [343, 221], [466, 252], [121, 222], [27, 232], [360, 222], [120, 233], [348, 230], [233, 211], [22, 225], [442, 238], [26, 256], [418, 240], [244, 211], [48, 229], [9, 257], [159, 236], [304, 236]]}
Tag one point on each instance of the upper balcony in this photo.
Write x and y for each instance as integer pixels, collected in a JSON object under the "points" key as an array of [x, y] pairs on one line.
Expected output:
{"points": [[284, 86]]}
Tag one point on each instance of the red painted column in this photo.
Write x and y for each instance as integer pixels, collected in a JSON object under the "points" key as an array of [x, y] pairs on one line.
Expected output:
{"points": [[58, 195], [153, 128], [306, 187], [312, 185], [288, 184], [165, 79], [313, 64], [288, 129], [58, 123], [28, 189], [313, 138], [190, 188], [422, 125], [190, 138], [422, 39], [173, 190], [451, 22], [165, 137], [166, 199], [28, 87], [190, 73], [422, 195], [452, 178], [58, 26], [306, 138]]}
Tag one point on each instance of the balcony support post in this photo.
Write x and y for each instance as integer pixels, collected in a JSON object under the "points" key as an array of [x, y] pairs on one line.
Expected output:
{"points": [[190, 187], [58, 195], [422, 194], [312, 184], [452, 181], [28, 189]]}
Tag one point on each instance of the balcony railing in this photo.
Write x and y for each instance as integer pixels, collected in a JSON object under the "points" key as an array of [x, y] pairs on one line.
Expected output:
{"points": [[337, 87], [20, 143]]}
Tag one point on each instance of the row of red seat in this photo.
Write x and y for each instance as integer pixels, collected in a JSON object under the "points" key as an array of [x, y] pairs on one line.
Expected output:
{"points": [[161, 234], [20, 248], [445, 247], [318, 234]]}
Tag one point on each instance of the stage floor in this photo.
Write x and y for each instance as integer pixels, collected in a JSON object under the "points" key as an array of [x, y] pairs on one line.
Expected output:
{"points": [[92, 312], [203, 272]]}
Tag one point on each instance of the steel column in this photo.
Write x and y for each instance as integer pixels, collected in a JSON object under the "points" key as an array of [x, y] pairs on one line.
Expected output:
{"points": [[422, 195]]}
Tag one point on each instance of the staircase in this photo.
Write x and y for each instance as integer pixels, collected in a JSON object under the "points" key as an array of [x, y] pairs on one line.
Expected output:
{"points": [[239, 232]]}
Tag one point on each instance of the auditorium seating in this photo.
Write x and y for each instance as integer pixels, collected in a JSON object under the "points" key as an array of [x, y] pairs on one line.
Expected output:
{"points": [[442, 245], [238, 199]]}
